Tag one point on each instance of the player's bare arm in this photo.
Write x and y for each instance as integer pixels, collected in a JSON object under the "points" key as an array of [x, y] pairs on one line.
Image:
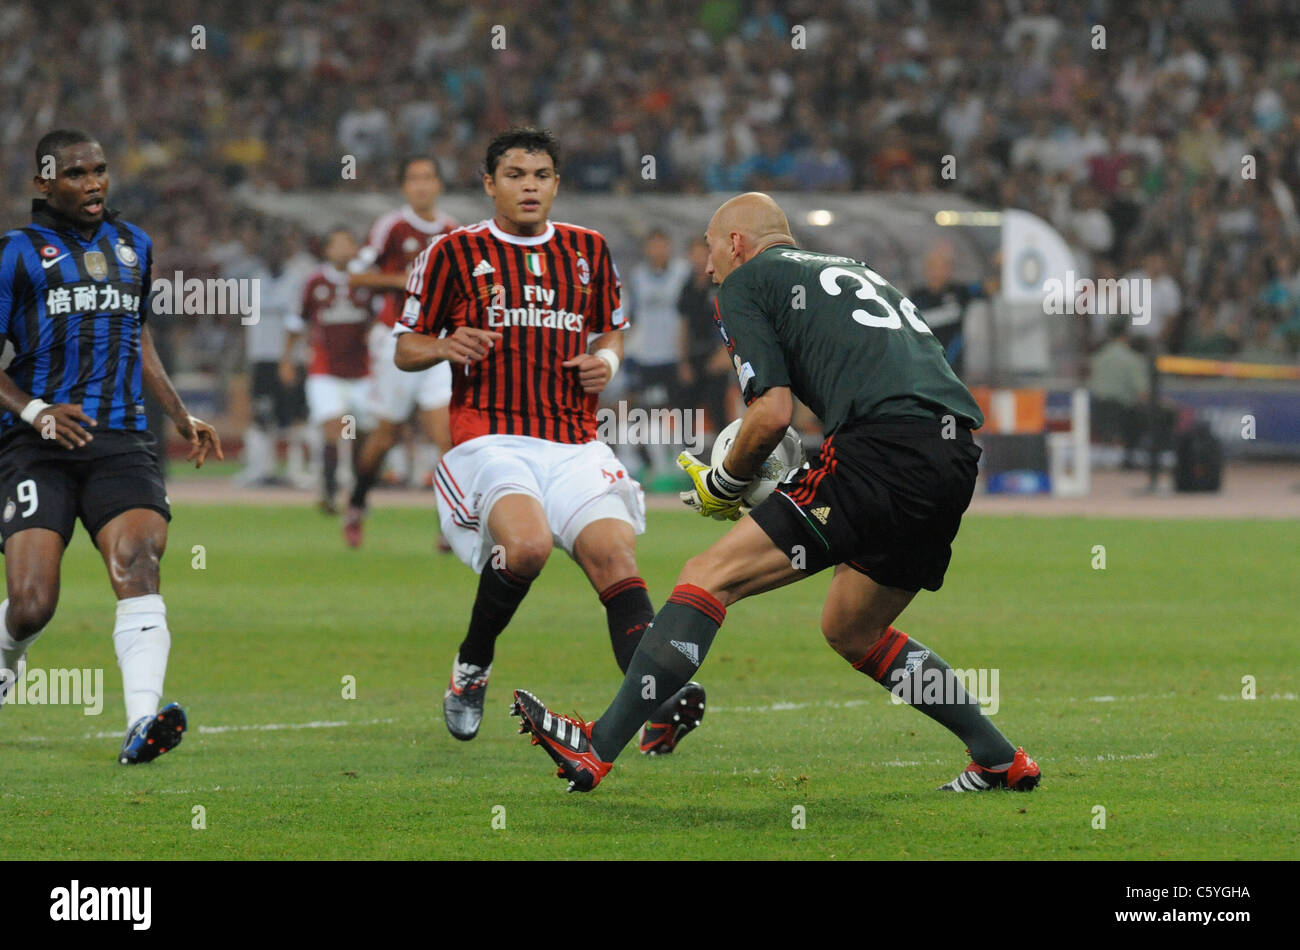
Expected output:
{"points": [[594, 369], [764, 425], [201, 436], [288, 374], [685, 372], [69, 420], [377, 280], [416, 351]]}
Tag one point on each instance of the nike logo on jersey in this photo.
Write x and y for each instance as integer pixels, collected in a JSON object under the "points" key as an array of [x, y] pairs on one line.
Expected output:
{"points": [[483, 268], [48, 264]]}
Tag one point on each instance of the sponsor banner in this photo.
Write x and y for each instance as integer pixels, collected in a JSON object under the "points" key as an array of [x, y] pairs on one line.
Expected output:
{"points": [[1247, 419]]}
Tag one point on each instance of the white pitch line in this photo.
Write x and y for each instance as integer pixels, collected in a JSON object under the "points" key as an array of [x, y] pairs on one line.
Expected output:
{"points": [[1103, 757], [1111, 757], [853, 703], [275, 726], [256, 727], [772, 707], [791, 707]]}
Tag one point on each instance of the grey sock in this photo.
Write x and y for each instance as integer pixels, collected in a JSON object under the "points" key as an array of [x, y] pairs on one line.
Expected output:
{"points": [[922, 679], [671, 650]]}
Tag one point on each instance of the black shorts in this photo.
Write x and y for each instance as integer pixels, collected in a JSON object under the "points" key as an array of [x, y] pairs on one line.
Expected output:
{"points": [[654, 383], [43, 485], [274, 404], [886, 498]]}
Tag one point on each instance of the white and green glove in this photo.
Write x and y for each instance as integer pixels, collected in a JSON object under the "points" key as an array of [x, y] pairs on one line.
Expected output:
{"points": [[716, 493]]}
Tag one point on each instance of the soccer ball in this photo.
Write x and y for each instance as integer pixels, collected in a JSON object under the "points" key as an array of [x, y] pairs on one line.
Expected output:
{"points": [[787, 456]]}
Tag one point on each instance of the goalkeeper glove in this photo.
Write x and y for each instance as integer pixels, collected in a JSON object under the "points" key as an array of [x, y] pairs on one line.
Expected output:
{"points": [[715, 494]]}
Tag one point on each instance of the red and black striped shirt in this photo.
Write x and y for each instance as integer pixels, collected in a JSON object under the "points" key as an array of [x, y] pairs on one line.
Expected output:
{"points": [[395, 240], [546, 295]]}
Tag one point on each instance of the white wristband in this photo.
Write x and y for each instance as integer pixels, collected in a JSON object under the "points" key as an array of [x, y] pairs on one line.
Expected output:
{"points": [[32, 410], [726, 482], [611, 359]]}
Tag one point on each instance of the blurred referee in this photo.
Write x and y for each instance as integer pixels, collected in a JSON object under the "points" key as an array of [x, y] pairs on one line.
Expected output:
{"points": [[74, 443]]}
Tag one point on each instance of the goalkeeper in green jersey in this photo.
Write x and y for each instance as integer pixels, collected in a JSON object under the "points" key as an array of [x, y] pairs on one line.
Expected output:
{"points": [[880, 503]]}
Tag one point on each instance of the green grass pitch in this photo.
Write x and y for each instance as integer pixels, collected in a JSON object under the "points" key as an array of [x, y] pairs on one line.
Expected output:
{"points": [[1124, 683]]}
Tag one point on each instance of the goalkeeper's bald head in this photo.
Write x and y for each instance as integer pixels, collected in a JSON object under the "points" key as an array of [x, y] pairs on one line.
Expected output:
{"points": [[741, 228]]}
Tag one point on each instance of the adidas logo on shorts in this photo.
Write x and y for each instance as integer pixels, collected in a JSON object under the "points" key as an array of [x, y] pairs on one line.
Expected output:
{"points": [[690, 650], [821, 514]]}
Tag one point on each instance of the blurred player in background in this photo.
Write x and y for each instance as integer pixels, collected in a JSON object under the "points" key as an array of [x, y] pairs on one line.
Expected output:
{"points": [[528, 311], [394, 242], [277, 410], [654, 342], [881, 503], [705, 374], [944, 302], [337, 318], [74, 443]]}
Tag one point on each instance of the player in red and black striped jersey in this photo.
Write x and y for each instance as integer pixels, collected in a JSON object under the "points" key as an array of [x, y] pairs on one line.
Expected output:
{"points": [[337, 317], [528, 312], [396, 239], [545, 294]]}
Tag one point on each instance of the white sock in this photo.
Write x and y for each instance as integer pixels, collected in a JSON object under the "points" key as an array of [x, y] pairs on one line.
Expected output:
{"points": [[11, 652], [259, 455], [398, 461], [658, 453], [142, 653], [297, 454], [427, 453], [313, 442]]}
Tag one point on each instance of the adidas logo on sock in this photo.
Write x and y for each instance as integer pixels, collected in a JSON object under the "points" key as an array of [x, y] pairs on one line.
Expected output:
{"points": [[690, 650], [821, 514], [483, 268], [914, 660]]}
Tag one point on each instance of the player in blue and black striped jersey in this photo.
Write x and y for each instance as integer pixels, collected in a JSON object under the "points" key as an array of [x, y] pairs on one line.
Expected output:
{"points": [[74, 292]]}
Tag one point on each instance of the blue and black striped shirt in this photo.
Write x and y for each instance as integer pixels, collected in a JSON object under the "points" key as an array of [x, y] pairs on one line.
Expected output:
{"points": [[73, 308]]}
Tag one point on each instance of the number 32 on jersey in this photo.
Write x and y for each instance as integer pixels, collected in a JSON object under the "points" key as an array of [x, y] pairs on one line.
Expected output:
{"points": [[868, 280]]}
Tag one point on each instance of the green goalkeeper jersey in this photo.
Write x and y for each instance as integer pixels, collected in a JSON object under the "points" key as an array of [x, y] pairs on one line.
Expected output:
{"points": [[840, 336]]}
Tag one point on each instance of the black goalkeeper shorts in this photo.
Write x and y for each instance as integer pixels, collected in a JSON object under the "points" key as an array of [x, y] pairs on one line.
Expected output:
{"points": [[886, 498], [43, 485]]}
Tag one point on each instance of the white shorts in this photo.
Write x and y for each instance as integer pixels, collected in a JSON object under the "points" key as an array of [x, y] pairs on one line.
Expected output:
{"points": [[575, 484], [331, 397], [395, 393]]}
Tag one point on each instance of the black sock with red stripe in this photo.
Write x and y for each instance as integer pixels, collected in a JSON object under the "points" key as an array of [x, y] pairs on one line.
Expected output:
{"points": [[364, 480], [330, 464], [671, 650], [499, 595], [920, 678], [629, 612]]}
